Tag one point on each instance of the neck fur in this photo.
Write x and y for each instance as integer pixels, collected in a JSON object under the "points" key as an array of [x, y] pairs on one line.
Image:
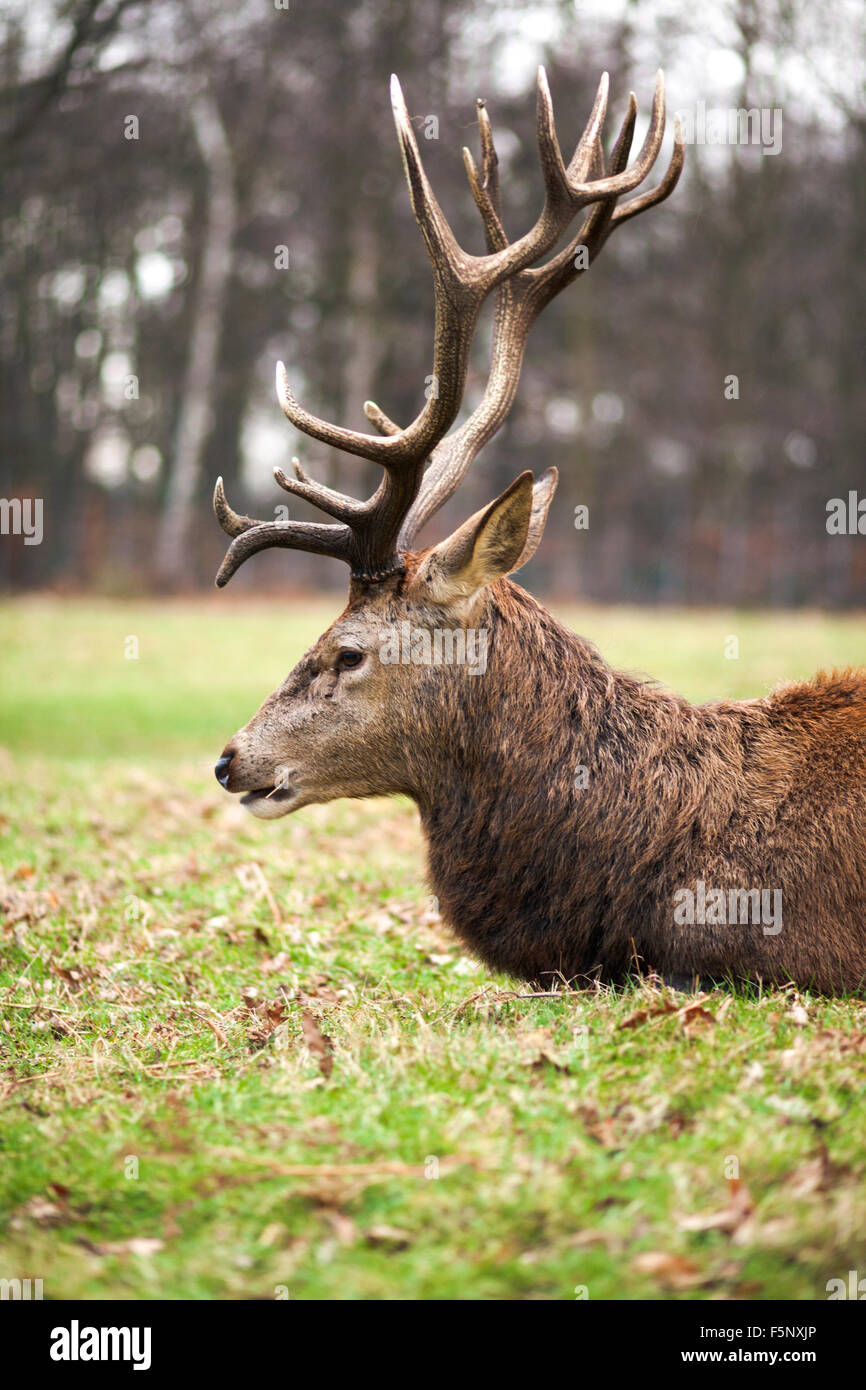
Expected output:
{"points": [[562, 800]]}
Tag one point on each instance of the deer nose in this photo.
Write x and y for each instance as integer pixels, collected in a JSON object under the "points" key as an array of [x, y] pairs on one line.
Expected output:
{"points": [[221, 769]]}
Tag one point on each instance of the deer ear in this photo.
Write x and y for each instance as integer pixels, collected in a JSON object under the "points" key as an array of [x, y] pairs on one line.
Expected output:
{"points": [[542, 496], [489, 545]]}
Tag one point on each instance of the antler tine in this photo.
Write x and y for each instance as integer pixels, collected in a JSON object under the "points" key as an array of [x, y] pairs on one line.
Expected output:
{"points": [[314, 536], [486, 195], [442, 248], [521, 298], [232, 522], [653, 196], [588, 150], [384, 424], [558, 207], [615, 185], [336, 504], [551, 278], [251, 536], [489, 158], [605, 216], [622, 144], [566, 190], [553, 170]]}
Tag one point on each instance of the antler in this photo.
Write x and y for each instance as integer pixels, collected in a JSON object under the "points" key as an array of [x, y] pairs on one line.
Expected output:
{"points": [[371, 536]]}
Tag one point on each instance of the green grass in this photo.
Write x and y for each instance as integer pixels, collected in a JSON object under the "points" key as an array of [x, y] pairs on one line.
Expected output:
{"points": [[168, 1125]]}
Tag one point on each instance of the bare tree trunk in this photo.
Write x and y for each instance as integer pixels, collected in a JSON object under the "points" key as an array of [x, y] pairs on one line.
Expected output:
{"points": [[194, 424]]}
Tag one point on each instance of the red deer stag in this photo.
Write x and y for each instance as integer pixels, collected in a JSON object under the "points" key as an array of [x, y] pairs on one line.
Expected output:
{"points": [[581, 823]]}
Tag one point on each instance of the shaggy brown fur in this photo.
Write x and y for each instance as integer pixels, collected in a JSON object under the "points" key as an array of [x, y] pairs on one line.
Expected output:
{"points": [[543, 877]]}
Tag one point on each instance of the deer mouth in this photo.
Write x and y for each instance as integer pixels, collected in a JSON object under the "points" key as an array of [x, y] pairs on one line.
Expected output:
{"points": [[267, 803], [277, 794]]}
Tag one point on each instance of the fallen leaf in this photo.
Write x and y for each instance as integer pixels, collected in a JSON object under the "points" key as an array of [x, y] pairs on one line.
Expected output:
{"points": [[343, 1227], [317, 1042], [144, 1246], [635, 1020], [730, 1219], [388, 1235], [818, 1175], [693, 1014], [270, 1016], [38, 1209], [584, 1238], [281, 961], [539, 1050], [674, 1270], [600, 1127], [141, 1245]]}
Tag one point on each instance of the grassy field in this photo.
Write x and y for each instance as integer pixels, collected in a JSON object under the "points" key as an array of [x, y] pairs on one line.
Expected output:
{"points": [[242, 1060]]}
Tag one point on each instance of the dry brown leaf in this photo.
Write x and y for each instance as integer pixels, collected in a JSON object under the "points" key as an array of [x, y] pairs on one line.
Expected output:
{"points": [[270, 1016], [635, 1020], [145, 1246], [836, 1039], [600, 1127], [274, 1012], [40, 1210], [392, 1236], [538, 1037], [810, 1178], [539, 1051], [321, 992], [585, 1238], [140, 1245], [819, 1174], [546, 1058], [343, 1226], [23, 906], [318, 1042], [280, 962], [73, 978], [731, 1219], [674, 1270], [694, 1014]]}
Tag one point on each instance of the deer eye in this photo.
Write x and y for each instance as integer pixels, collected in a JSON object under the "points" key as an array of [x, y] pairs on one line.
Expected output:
{"points": [[348, 658]]}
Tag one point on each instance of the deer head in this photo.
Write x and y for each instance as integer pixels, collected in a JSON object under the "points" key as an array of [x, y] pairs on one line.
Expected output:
{"points": [[358, 713]]}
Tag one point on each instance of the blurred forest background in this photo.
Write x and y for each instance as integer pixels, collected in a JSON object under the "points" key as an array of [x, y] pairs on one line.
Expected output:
{"points": [[157, 154]]}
